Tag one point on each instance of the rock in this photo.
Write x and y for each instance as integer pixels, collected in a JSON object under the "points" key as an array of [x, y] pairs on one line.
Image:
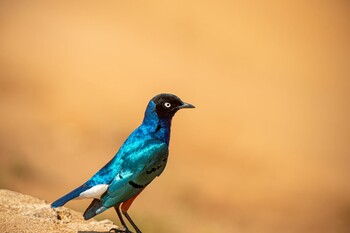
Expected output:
{"points": [[23, 213]]}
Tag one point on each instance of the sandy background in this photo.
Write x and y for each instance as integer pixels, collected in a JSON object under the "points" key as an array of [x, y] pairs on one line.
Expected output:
{"points": [[266, 149]]}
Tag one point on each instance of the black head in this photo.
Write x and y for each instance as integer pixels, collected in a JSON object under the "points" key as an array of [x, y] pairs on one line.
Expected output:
{"points": [[167, 105]]}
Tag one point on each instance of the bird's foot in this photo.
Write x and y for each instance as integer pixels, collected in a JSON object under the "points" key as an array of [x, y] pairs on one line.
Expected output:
{"points": [[116, 230]]}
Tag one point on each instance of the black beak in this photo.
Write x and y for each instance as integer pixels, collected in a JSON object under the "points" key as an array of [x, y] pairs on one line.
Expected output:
{"points": [[186, 105]]}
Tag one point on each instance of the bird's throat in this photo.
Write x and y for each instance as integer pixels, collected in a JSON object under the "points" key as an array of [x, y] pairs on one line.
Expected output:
{"points": [[162, 130]]}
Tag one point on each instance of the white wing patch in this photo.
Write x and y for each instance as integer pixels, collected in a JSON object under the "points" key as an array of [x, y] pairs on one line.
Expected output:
{"points": [[94, 192]]}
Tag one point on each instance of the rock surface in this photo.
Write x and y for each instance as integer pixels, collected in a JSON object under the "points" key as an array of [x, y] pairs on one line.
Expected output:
{"points": [[23, 213]]}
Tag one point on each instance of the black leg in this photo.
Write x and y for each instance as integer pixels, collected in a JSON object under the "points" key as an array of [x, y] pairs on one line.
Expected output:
{"points": [[131, 222], [125, 230]]}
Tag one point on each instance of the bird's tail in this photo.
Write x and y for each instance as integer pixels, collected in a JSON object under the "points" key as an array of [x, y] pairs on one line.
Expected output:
{"points": [[96, 207], [73, 194]]}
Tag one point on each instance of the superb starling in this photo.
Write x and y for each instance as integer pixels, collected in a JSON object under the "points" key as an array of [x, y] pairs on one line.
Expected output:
{"points": [[141, 158]]}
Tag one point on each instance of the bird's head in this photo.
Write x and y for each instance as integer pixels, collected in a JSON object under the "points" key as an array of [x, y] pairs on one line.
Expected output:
{"points": [[166, 105]]}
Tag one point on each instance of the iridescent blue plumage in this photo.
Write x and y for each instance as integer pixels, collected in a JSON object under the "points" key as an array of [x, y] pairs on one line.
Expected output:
{"points": [[140, 159]]}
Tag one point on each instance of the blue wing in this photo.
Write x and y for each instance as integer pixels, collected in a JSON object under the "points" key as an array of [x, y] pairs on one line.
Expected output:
{"points": [[139, 169], [142, 162]]}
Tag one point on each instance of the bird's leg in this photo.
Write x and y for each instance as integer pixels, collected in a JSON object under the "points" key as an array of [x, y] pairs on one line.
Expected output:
{"points": [[132, 222], [125, 230], [125, 206]]}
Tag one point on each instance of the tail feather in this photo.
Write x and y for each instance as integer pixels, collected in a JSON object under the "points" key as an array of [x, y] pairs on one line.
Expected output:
{"points": [[94, 208], [73, 194]]}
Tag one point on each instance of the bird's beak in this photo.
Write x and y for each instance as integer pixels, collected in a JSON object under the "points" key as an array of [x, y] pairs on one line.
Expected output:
{"points": [[186, 105]]}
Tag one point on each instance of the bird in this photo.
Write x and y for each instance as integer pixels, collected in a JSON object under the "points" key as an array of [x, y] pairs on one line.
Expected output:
{"points": [[141, 158]]}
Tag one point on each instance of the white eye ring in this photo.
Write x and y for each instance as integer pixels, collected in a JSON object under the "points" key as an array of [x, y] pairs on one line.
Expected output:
{"points": [[167, 105]]}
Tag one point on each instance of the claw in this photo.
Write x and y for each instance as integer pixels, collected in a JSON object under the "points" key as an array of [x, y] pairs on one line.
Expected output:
{"points": [[116, 230]]}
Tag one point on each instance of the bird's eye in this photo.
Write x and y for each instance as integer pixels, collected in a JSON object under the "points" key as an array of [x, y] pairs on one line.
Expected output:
{"points": [[167, 105]]}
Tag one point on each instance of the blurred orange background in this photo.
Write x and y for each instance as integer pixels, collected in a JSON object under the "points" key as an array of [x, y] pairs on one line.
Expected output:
{"points": [[266, 149]]}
